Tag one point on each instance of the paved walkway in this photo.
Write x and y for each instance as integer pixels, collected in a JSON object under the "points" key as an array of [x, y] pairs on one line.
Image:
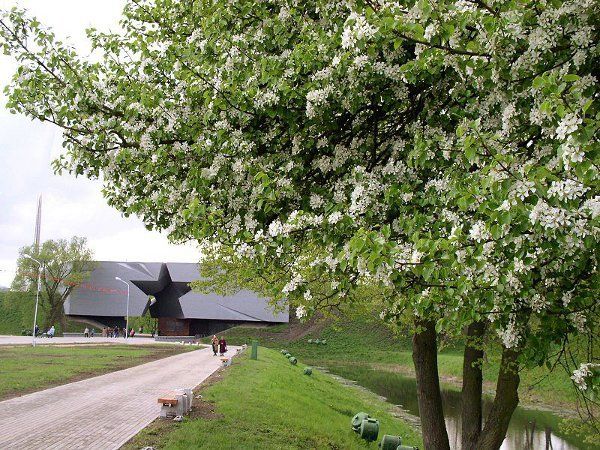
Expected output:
{"points": [[101, 412], [26, 340]]}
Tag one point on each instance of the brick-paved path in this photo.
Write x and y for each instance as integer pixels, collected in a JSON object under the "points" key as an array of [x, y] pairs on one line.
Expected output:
{"points": [[101, 412]]}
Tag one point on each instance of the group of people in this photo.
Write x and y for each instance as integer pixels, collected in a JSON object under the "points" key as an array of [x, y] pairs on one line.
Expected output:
{"points": [[219, 345], [49, 333], [116, 332], [89, 333]]}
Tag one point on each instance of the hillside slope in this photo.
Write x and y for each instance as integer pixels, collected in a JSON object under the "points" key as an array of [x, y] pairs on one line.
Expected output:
{"points": [[270, 404], [366, 342]]}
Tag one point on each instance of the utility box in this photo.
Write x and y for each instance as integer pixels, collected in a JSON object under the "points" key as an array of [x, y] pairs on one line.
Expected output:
{"points": [[254, 353]]}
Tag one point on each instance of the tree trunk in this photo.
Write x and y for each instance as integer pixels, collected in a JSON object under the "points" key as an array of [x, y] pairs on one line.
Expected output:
{"points": [[435, 436], [505, 402], [471, 415], [56, 316]]}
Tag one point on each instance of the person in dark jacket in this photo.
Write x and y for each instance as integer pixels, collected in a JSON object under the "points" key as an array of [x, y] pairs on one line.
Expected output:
{"points": [[222, 346]]}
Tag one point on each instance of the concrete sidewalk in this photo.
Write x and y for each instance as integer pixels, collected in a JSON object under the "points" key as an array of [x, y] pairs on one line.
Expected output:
{"points": [[101, 412], [27, 340]]}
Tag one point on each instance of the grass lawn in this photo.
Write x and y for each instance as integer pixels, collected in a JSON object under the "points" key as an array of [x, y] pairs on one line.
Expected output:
{"points": [[269, 403], [25, 369], [362, 342]]}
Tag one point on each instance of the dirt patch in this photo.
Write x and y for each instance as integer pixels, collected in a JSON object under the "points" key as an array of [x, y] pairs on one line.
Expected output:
{"points": [[294, 331], [297, 330]]}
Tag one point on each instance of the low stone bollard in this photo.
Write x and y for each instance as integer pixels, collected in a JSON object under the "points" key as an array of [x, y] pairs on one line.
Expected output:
{"points": [[175, 403], [226, 362]]}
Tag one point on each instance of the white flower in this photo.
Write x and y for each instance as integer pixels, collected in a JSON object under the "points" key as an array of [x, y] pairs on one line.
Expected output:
{"points": [[265, 98], [509, 335], [430, 31], [507, 115], [316, 201], [571, 153], [293, 284], [275, 228], [567, 126], [146, 142], [579, 376], [592, 206], [307, 295], [537, 303], [522, 189], [301, 312], [361, 61], [548, 216], [519, 266], [359, 30], [578, 319], [479, 232], [416, 257], [566, 298], [567, 190], [316, 98], [334, 217]]}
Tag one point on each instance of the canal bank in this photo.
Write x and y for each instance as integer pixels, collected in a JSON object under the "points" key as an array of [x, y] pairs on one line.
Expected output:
{"points": [[529, 429], [360, 342]]}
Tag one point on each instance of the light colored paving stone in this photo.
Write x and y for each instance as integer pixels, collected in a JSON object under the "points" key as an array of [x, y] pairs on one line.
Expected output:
{"points": [[101, 412]]}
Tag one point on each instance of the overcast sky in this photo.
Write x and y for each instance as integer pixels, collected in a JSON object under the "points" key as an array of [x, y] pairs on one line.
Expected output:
{"points": [[71, 206]]}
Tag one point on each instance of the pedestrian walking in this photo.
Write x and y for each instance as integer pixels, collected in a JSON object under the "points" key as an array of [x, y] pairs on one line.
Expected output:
{"points": [[215, 344], [86, 332], [222, 346]]}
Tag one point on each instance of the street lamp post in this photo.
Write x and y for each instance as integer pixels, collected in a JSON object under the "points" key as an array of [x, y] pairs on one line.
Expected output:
{"points": [[127, 313], [37, 295]]}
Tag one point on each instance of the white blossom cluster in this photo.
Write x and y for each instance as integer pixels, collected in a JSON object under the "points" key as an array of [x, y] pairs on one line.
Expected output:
{"points": [[422, 164], [582, 374]]}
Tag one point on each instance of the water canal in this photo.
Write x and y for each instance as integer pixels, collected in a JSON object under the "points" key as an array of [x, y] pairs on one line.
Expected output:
{"points": [[529, 429]]}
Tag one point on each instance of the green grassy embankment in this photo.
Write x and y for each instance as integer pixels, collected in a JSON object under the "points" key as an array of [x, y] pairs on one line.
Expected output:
{"points": [[17, 310], [25, 369], [16, 314], [270, 403], [361, 342]]}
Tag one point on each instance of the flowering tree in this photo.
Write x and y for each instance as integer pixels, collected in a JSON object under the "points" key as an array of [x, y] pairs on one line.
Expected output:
{"points": [[444, 150]]}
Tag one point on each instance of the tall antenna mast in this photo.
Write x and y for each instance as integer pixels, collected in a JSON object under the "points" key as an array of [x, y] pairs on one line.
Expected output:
{"points": [[38, 225]]}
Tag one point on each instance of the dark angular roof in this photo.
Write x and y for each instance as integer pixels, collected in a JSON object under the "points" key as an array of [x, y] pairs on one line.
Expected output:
{"points": [[102, 295]]}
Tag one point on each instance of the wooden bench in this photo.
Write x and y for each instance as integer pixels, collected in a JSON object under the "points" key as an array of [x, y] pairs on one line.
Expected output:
{"points": [[169, 399]]}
